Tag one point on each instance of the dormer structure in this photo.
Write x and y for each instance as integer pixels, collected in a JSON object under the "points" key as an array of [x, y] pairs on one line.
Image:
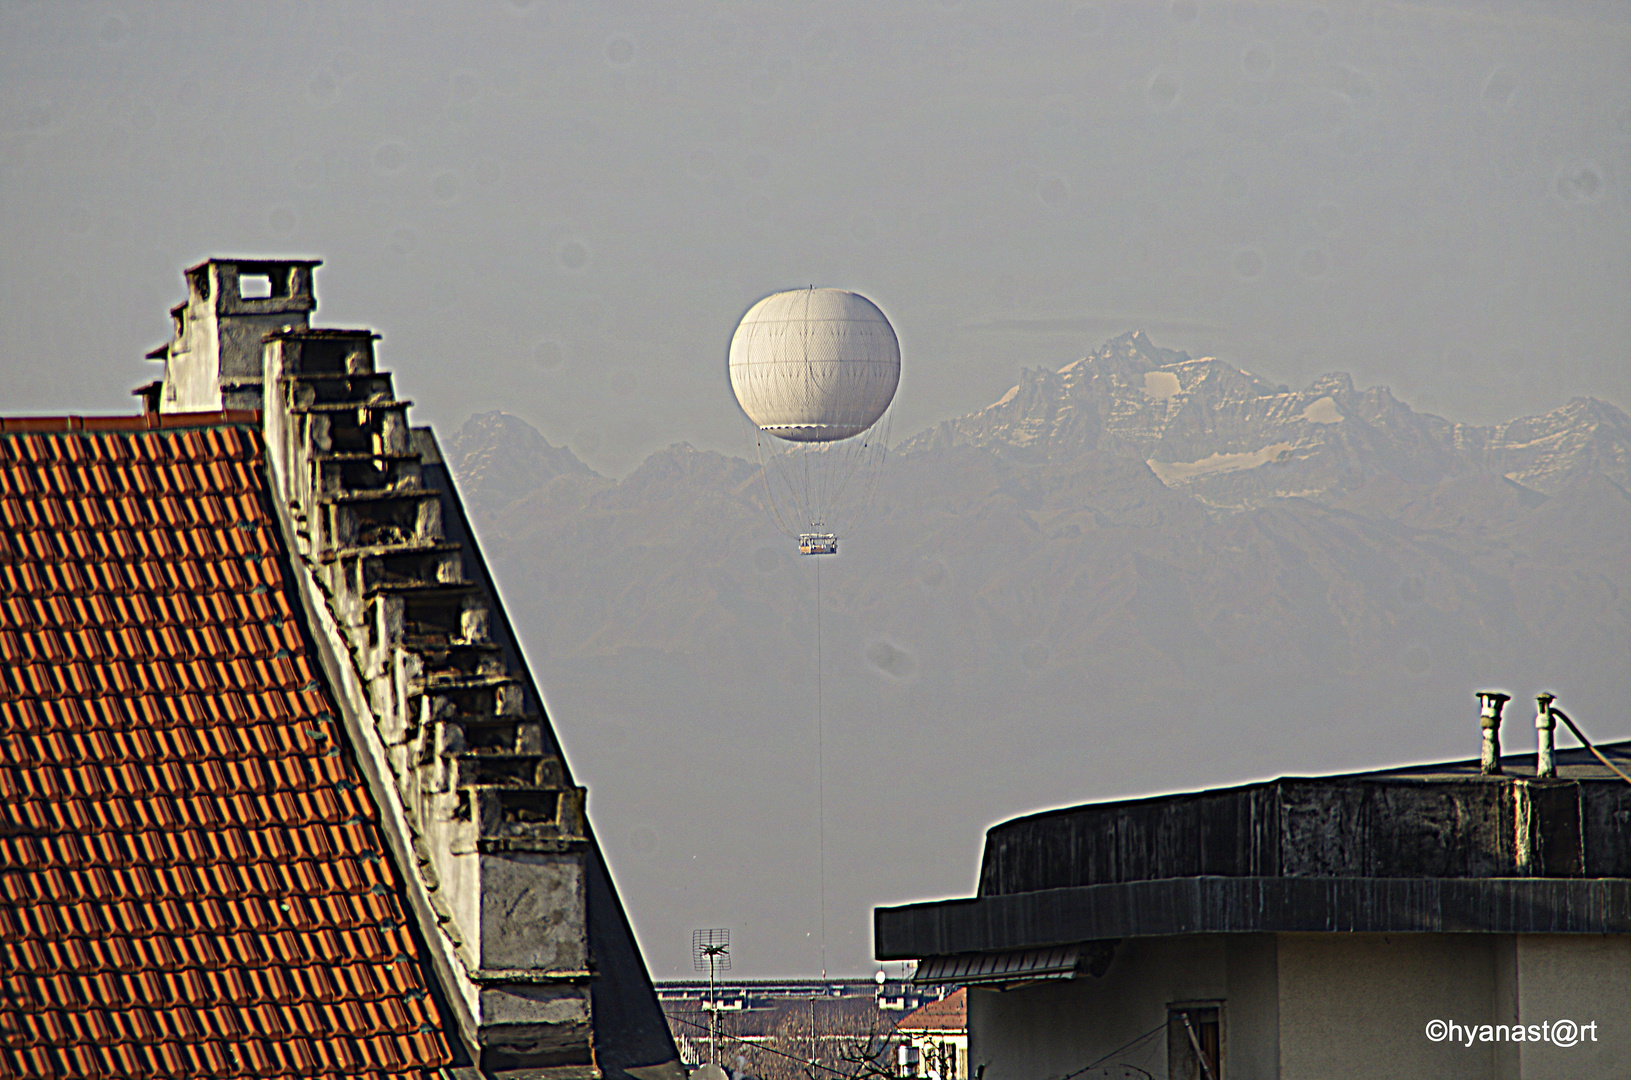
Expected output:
{"points": [[214, 360]]}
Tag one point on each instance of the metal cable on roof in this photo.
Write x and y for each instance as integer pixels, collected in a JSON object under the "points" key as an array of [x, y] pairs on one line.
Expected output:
{"points": [[1563, 716]]}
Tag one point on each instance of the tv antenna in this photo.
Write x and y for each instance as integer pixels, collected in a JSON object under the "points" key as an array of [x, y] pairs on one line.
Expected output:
{"points": [[711, 949]]}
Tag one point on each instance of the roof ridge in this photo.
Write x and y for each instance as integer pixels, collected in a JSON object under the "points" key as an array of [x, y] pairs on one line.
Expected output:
{"points": [[74, 424]]}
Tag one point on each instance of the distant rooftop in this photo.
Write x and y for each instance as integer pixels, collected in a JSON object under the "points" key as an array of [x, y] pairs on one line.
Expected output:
{"points": [[1439, 847], [950, 1013]]}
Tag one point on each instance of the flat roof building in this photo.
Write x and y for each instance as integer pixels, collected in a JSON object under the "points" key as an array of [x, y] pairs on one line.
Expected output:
{"points": [[1302, 928]]}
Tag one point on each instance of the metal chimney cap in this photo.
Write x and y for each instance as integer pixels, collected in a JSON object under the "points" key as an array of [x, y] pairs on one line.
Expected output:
{"points": [[1490, 703]]}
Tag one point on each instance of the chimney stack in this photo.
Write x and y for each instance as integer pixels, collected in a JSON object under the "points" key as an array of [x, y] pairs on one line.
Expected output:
{"points": [[150, 396], [1490, 703], [215, 360], [1545, 766]]}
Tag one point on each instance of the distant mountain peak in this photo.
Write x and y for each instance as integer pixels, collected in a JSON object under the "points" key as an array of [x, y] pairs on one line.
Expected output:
{"points": [[1234, 440], [1335, 383], [499, 458]]}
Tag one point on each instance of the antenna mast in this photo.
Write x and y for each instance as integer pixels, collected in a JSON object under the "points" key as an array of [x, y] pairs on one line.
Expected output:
{"points": [[711, 949]]}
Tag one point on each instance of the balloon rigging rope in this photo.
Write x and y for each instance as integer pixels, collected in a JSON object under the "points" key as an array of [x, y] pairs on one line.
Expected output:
{"points": [[774, 500], [809, 493]]}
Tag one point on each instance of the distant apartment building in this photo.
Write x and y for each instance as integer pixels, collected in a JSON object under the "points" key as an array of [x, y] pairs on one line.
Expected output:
{"points": [[755, 1018], [1444, 921]]}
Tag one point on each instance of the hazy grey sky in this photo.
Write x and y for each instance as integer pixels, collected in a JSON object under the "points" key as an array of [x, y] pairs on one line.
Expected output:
{"points": [[561, 209]]}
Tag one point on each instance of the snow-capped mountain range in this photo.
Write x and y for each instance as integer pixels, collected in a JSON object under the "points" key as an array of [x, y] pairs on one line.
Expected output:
{"points": [[1236, 441]]}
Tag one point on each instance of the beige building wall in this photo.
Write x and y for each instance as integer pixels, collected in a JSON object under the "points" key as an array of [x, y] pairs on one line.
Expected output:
{"points": [[1326, 1006], [1060, 1027], [1356, 1006], [1577, 977]]}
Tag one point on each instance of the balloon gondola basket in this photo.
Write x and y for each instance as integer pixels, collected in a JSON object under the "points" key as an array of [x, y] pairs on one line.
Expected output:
{"points": [[818, 544]]}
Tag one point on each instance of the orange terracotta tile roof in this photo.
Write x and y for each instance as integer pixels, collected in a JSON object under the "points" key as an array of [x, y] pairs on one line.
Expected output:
{"points": [[950, 1013], [193, 880]]}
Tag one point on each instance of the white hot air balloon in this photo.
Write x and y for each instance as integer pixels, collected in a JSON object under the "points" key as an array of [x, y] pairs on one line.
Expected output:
{"points": [[815, 370]]}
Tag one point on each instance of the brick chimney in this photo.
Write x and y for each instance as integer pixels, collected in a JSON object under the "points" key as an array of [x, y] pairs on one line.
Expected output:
{"points": [[214, 361]]}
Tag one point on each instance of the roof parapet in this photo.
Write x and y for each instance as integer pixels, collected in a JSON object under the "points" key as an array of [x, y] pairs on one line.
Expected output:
{"points": [[498, 831]]}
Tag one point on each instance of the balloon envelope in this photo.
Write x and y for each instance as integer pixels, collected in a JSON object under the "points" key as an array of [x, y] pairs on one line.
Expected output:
{"points": [[814, 365]]}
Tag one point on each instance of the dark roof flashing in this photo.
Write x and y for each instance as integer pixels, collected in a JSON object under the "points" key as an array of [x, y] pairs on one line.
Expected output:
{"points": [[314, 333], [251, 263], [1254, 905]]}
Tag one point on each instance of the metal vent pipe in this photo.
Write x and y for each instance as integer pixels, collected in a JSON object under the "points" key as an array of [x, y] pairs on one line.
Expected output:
{"points": [[1545, 766], [1490, 703]]}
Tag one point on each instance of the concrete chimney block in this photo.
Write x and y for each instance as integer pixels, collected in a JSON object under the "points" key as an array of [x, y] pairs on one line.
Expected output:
{"points": [[424, 748], [393, 726], [551, 774], [394, 436], [326, 481], [390, 613], [450, 738], [407, 476], [439, 778], [475, 622], [342, 528], [571, 816], [320, 433], [428, 526], [407, 672], [532, 912], [381, 699], [356, 580], [517, 1006]]}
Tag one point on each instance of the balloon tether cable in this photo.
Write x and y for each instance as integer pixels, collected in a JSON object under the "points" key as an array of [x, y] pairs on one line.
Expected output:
{"points": [[821, 779]]}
